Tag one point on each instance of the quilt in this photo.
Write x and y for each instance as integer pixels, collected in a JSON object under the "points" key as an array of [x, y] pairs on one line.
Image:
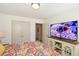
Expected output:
{"points": [[29, 49]]}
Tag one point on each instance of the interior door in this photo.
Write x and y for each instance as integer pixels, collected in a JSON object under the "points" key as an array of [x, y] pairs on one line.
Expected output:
{"points": [[20, 32], [39, 32]]}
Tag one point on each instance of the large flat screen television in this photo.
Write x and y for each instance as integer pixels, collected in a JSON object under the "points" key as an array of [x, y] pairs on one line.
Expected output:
{"points": [[65, 30]]}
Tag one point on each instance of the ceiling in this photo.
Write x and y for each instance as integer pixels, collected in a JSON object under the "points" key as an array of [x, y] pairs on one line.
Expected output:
{"points": [[46, 10]]}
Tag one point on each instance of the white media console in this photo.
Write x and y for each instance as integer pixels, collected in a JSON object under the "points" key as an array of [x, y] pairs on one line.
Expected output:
{"points": [[65, 48]]}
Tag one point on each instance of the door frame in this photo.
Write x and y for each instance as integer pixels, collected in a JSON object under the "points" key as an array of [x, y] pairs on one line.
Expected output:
{"points": [[41, 32]]}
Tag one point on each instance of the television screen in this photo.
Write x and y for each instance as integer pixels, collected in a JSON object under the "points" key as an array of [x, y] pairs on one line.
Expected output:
{"points": [[66, 30]]}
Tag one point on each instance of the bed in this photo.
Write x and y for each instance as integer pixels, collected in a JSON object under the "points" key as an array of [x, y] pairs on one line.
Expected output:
{"points": [[29, 49]]}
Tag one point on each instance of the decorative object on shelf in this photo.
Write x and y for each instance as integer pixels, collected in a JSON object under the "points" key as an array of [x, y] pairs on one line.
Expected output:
{"points": [[35, 5], [58, 47], [67, 51]]}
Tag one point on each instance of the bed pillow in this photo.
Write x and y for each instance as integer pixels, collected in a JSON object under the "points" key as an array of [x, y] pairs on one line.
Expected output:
{"points": [[2, 49]]}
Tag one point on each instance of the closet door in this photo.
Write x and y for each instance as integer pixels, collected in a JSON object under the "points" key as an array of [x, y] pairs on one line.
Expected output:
{"points": [[20, 32]]}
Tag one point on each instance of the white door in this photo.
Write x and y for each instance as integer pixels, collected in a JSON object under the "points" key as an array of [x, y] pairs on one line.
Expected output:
{"points": [[20, 32]]}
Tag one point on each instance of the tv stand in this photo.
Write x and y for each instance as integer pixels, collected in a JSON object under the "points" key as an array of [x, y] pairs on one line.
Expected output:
{"points": [[64, 47]]}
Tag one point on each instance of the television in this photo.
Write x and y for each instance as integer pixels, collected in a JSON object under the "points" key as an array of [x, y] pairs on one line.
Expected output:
{"points": [[65, 30]]}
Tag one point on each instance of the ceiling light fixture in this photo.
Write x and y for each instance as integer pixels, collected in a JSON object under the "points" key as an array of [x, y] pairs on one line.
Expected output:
{"points": [[35, 5]]}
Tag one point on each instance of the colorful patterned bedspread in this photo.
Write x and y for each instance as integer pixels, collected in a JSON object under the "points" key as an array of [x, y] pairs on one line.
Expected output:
{"points": [[29, 49]]}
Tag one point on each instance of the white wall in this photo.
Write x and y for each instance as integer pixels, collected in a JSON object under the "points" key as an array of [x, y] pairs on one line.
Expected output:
{"points": [[63, 16], [5, 25]]}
